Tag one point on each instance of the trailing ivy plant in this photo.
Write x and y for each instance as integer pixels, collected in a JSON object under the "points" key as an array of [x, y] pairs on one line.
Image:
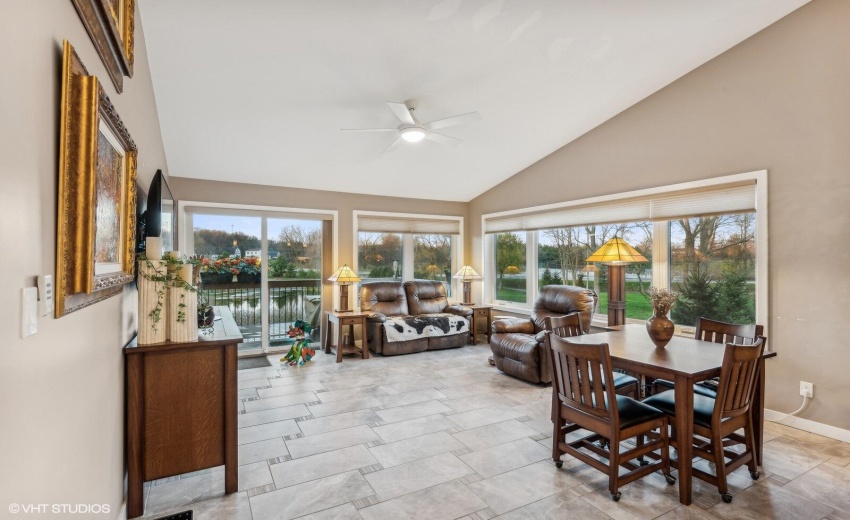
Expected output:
{"points": [[162, 281]]}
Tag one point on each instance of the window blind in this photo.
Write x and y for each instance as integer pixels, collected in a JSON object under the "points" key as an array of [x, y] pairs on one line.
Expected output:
{"points": [[714, 200], [400, 224], [226, 212]]}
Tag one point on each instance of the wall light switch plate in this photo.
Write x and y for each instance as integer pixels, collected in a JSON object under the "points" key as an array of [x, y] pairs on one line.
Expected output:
{"points": [[29, 312], [45, 295]]}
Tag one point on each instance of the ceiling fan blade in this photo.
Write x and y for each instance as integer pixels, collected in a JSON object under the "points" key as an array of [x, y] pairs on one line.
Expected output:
{"points": [[393, 146], [442, 139], [400, 110], [454, 121], [369, 129]]}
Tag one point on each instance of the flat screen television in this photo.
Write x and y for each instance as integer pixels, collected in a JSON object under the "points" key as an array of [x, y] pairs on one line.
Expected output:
{"points": [[159, 217]]}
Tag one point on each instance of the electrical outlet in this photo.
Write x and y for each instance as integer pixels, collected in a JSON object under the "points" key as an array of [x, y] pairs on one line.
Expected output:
{"points": [[807, 389]]}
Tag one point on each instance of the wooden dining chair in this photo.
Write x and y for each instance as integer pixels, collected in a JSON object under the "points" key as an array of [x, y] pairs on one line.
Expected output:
{"points": [[717, 419], [570, 325], [584, 403], [716, 332]]}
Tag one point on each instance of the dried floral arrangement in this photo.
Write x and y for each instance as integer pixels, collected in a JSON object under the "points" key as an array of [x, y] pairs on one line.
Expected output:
{"points": [[662, 300]]}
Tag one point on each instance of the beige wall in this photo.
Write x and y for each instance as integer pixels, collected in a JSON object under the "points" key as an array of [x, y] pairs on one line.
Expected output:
{"points": [[778, 101], [344, 203], [61, 390]]}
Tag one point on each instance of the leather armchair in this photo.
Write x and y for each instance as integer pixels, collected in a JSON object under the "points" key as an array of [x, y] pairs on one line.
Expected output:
{"points": [[518, 343]]}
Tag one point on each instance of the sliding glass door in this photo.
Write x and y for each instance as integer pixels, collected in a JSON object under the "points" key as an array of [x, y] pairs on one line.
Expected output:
{"points": [[266, 269], [227, 242], [294, 260]]}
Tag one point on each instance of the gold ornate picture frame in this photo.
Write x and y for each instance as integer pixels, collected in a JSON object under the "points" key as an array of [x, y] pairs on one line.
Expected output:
{"points": [[111, 25], [96, 216]]}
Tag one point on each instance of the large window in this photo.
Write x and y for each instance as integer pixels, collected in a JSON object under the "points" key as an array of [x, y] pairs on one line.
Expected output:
{"points": [[700, 239], [432, 258], [380, 256], [402, 247], [713, 268], [511, 271], [562, 254]]}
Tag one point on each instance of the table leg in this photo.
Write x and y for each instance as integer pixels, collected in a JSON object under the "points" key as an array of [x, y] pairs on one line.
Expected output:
{"points": [[757, 411], [231, 466], [684, 435], [328, 333], [364, 343], [135, 434], [339, 344], [472, 329]]}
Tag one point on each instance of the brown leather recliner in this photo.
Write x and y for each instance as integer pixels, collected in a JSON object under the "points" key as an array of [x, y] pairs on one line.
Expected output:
{"points": [[517, 343], [416, 298]]}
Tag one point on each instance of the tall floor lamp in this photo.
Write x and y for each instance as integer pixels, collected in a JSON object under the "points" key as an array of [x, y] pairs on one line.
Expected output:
{"points": [[616, 254], [344, 277], [466, 275]]}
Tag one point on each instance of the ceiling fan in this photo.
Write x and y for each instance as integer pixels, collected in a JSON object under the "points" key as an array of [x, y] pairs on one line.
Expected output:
{"points": [[412, 130]]}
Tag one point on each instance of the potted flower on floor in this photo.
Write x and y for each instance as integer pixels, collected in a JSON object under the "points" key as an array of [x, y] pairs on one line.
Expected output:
{"points": [[300, 352]]}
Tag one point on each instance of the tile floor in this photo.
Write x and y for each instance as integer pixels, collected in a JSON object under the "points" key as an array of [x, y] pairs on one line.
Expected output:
{"points": [[443, 435]]}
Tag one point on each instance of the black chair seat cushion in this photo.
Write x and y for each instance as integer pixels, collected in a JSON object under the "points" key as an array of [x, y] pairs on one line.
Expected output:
{"points": [[634, 412], [698, 388], [666, 402], [622, 380]]}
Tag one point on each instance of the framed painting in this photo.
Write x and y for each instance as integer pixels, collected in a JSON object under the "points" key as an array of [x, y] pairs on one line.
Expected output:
{"points": [[96, 217], [111, 24]]}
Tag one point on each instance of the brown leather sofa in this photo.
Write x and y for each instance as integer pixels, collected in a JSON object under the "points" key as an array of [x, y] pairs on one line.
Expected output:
{"points": [[416, 298], [517, 343]]}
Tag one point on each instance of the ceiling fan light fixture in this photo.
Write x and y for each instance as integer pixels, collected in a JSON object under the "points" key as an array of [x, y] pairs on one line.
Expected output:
{"points": [[412, 134]]}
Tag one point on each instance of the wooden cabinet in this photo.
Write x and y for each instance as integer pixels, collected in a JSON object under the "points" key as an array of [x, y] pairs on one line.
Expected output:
{"points": [[181, 408]]}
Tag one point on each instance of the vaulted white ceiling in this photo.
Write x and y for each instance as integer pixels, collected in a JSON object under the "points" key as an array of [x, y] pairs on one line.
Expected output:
{"points": [[257, 91]]}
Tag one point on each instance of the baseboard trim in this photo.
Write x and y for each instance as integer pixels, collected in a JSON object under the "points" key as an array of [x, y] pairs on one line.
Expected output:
{"points": [[807, 425], [122, 513]]}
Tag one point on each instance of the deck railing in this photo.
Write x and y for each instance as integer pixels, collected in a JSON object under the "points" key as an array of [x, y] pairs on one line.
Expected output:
{"points": [[289, 301]]}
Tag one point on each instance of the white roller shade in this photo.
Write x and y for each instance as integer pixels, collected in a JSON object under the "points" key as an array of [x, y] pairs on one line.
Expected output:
{"points": [[717, 200], [227, 212], [391, 224], [613, 212]]}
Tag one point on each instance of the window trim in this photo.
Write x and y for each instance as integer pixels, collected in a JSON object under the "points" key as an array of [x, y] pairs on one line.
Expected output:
{"points": [[660, 241]]}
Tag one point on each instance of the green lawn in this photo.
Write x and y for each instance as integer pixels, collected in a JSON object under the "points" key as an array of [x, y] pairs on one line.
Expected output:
{"points": [[637, 305]]}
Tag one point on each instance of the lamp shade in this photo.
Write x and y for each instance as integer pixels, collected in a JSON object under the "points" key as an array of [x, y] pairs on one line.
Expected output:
{"points": [[616, 252], [467, 273], [344, 275]]}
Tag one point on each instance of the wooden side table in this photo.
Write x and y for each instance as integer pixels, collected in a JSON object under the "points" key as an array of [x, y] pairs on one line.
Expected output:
{"points": [[481, 313], [341, 319], [181, 408]]}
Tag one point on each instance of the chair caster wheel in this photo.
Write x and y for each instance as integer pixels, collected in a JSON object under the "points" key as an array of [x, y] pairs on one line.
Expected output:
{"points": [[559, 464], [643, 462], [726, 497], [755, 475], [670, 479], [615, 496]]}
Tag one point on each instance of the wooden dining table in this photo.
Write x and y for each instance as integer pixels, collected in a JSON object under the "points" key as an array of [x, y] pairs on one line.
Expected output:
{"points": [[685, 361]]}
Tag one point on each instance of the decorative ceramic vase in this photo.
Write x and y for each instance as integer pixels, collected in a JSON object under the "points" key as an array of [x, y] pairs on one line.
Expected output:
{"points": [[182, 309], [660, 329], [206, 316], [152, 301]]}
